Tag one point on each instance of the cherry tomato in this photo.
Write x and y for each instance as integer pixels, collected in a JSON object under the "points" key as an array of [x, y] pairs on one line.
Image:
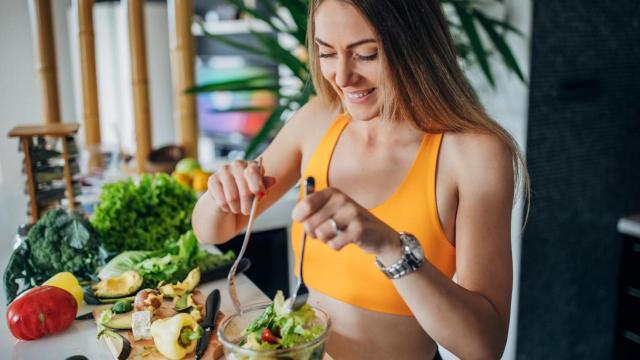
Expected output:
{"points": [[267, 336]]}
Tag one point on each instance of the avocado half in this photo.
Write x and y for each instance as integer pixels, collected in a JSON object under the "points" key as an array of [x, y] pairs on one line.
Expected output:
{"points": [[187, 285], [119, 286]]}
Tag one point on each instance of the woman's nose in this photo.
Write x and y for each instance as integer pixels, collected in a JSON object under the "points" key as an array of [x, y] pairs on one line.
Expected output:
{"points": [[344, 73]]}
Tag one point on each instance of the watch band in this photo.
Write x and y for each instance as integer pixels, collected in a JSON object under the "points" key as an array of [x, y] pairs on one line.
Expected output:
{"points": [[408, 263]]}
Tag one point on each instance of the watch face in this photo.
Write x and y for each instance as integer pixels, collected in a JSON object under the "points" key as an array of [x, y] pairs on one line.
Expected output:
{"points": [[413, 246], [417, 252]]}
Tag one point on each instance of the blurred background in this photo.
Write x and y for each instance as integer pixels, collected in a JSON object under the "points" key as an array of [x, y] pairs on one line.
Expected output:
{"points": [[562, 77]]}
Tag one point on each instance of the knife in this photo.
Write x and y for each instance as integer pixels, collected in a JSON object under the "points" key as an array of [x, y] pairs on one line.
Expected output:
{"points": [[211, 306]]}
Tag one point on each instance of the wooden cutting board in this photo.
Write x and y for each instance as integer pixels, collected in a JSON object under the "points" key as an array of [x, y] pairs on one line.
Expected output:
{"points": [[146, 350]]}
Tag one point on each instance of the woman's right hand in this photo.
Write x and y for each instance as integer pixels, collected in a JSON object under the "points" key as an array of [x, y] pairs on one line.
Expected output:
{"points": [[234, 185]]}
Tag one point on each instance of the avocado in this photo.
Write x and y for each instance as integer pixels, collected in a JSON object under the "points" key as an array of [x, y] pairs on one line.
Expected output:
{"points": [[119, 286], [115, 300], [120, 321], [187, 285]]}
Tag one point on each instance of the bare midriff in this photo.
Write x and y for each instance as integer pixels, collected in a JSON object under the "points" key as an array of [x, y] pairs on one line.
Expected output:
{"points": [[358, 333]]}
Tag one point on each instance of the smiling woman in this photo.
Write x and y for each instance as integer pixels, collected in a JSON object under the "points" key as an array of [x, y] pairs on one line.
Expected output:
{"points": [[414, 182]]}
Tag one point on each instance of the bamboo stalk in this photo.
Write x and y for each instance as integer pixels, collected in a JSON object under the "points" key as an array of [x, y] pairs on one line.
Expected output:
{"points": [[90, 111], [139, 81], [182, 68], [45, 50], [31, 186]]}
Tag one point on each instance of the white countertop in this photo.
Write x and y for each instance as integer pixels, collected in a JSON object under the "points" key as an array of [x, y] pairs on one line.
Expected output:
{"points": [[80, 338]]}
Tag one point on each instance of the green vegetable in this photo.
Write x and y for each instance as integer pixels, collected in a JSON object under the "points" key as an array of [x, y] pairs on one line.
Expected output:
{"points": [[60, 241], [122, 307], [168, 265], [143, 215], [294, 328]]}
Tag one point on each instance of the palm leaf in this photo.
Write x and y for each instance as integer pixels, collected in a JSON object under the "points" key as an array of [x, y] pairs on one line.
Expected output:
{"points": [[299, 11], [474, 38], [264, 134], [245, 109], [236, 44], [500, 44], [282, 56], [227, 85], [240, 5], [235, 87]]}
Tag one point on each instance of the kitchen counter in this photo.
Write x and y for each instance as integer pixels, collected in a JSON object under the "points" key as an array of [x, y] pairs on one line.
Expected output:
{"points": [[80, 338]]}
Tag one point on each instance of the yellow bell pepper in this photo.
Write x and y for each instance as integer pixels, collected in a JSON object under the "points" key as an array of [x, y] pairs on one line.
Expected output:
{"points": [[169, 338], [66, 281]]}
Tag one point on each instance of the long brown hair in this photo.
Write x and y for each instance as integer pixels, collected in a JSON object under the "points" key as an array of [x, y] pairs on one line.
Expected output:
{"points": [[423, 81]]}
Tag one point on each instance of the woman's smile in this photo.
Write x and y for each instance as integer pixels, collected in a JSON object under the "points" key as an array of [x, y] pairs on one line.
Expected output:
{"points": [[359, 97]]}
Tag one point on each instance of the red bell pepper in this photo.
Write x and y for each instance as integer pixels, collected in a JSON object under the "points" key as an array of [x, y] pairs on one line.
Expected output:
{"points": [[40, 311]]}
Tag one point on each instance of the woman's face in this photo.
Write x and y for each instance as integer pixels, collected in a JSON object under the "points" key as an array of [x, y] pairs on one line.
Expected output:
{"points": [[349, 59]]}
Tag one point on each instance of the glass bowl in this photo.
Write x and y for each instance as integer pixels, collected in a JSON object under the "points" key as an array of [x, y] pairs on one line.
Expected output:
{"points": [[231, 327]]}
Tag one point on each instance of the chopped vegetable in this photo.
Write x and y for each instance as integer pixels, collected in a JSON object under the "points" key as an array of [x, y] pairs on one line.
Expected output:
{"points": [[276, 328], [143, 215], [59, 242], [122, 307], [176, 336]]}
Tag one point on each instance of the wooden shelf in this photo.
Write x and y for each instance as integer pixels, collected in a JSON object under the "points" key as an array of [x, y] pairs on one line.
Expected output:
{"points": [[55, 129]]}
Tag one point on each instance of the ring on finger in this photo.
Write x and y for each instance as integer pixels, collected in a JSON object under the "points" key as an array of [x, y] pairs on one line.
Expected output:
{"points": [[334, 226]]}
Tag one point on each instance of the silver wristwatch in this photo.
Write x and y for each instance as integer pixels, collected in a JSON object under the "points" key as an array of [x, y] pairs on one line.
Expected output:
{"points": [[412, 258]]}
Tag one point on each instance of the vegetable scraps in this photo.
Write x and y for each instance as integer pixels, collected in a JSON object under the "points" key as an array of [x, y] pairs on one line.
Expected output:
{"points": [[143, 215], [169, 265], [276, 328], [59, 242]]}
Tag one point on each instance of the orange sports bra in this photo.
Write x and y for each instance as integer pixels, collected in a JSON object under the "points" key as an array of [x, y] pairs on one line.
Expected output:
{"points": [[350, 275]]}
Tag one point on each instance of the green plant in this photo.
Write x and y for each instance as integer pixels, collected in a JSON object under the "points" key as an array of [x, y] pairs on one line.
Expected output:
{"points": [[144, 214], [60, 241], [467, 21]]}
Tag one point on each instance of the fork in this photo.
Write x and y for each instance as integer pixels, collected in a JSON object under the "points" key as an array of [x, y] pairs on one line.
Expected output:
{"points": [[231, 278], [301, 292]]}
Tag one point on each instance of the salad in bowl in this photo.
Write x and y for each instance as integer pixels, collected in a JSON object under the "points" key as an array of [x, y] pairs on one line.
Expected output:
{"points": [[269, 331]]}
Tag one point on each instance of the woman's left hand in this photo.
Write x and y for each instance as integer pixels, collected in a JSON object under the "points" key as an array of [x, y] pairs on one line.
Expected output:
{"points": [[337, 220]]}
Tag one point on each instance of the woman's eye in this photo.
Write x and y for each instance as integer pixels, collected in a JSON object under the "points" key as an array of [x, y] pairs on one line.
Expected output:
{"points": [[325, 55], [367, 57]]}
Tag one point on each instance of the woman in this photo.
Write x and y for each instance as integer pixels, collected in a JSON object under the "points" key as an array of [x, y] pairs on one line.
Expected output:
{"points": [[397, 143]]}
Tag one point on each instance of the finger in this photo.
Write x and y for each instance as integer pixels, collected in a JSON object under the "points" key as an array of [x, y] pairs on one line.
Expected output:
{"points": [[230, 191], [215, 189], [254, 179], [246, 196], [326, 211], [328, 230], [310, 205], [339, 242]]}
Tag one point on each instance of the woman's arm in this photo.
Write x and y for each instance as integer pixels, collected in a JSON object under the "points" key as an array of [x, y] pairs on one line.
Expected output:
{"points": [[218, 215], [471, 318]]}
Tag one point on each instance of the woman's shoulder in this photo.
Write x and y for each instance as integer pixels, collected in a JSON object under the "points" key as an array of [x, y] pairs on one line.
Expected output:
{"points": [[312, 121], [478, 159]]}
